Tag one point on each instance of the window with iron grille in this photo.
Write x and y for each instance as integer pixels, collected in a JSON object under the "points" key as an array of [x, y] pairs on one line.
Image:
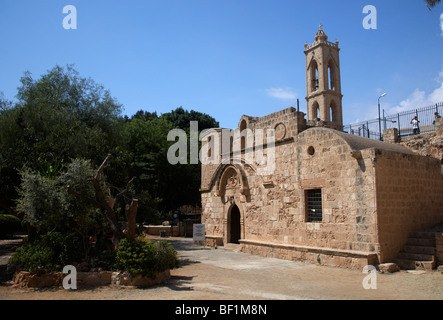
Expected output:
{"points": [[314, 206]]}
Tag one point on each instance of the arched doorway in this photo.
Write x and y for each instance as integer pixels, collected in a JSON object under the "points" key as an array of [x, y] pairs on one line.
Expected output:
{"points": [[234, 225]]}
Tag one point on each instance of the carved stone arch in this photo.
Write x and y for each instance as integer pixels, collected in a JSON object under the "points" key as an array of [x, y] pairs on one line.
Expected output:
{"points": [[314, 111], [314, 74], [331, 70], [331, 58], [233, 178], [313, 63], [239, 165]]}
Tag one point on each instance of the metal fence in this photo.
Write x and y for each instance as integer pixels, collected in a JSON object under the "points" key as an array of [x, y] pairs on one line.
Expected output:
{"points": [[401, 121]]}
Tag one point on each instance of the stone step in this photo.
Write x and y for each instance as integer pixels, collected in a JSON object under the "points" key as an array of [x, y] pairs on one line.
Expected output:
{"points": [[406, 264], [423, 235], [419, 249], [419, 252], [426, 242], [415, 256], [231, 247]]}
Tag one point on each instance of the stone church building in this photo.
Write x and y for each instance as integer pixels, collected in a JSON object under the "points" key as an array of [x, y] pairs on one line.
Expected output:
{"points": [[334, 198]]}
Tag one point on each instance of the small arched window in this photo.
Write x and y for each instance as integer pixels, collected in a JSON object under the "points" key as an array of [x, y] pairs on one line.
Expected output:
{"points": [[331, 76], [333, 112], [243, 126], [210, 147], [314, 76], [315, 111]]}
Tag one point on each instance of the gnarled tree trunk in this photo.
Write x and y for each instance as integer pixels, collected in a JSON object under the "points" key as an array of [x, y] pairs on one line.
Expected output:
{"points": [[131, 216], [107, 204]]}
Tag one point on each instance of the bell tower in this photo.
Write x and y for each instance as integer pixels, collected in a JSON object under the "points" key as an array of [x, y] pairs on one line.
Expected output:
{"points": [[323, 84]]}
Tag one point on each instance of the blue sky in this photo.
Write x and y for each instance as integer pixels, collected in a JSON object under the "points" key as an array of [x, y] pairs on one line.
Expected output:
{"points": [[228, 58]]}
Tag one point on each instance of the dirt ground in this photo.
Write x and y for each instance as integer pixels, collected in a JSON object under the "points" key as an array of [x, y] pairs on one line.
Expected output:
{"points": [[221, 274]]}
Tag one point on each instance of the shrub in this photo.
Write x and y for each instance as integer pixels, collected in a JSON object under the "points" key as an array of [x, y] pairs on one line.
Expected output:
{"points": [[9, 224], [34, 258], [142, 257], [166, 256], [41, 202], [45, 202], [48, 253]]}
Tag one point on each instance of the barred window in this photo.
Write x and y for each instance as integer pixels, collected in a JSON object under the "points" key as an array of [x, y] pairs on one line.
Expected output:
{"points": [[314, 207]]}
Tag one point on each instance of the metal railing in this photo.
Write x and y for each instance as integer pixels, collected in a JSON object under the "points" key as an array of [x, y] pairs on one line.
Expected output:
{"points": [[401, 121]]}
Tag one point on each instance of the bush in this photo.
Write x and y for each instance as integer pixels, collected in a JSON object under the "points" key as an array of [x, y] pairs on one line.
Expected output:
{"points": [[142, 257], [166, 256], [48, 253], [41, 202], [46, 204], [9, 224]]}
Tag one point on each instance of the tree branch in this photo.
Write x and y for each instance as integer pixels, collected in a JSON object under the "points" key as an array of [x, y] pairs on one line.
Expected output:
{"points": [[89, 200], [102, 166], [123, 193]]}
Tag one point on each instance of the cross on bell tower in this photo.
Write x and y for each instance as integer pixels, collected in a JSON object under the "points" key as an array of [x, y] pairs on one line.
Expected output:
{"points": [[323, 84]]}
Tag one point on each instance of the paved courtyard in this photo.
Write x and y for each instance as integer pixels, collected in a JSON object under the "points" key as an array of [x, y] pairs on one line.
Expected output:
{"points": [[221, 274]]}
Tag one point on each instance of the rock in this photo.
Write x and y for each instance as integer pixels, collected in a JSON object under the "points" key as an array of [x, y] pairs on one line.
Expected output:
{"points": [[120, 278], [94, 279], [27, 280], [87, 279], [388, 267], [124, 279]]}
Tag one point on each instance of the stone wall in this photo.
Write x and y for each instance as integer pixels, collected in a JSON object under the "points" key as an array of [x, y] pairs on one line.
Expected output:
{"points": [[321, 256], [409, 198], [373, 194], [277, 213], [293, 122], [427, 144], [25, 279], [168, 231], [274, 218]]}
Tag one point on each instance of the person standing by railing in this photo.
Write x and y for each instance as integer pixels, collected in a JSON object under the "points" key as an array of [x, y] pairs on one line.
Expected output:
{"points": [[415, 126], [437, 116]]}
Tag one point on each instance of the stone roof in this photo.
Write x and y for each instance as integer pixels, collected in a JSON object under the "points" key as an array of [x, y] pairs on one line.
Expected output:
{"points": [[360, 143], [357, 143]]}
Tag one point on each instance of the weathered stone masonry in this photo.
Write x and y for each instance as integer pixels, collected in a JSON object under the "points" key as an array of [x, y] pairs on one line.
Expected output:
{"points": [[366, 196]]}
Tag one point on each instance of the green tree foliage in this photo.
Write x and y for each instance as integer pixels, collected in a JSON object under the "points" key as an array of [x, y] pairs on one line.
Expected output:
{"points": [[160, 186], [41, 202], [46, 205], [4, 103], [146, 148], [62, 116], [142, 257], [187, 178], [145, 115], [50, 252], [58, 117], [432, 3], [181, 119], [57, 121]]}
